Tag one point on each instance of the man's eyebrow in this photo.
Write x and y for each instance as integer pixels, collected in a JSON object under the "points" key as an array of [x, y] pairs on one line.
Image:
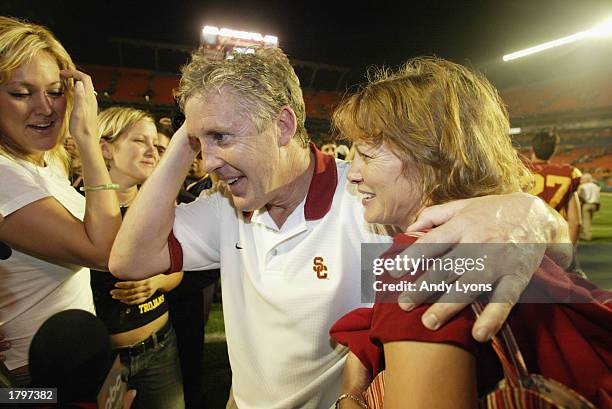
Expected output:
{"points": [[216, 128]]}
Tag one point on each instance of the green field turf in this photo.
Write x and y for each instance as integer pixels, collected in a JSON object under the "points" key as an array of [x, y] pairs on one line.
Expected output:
{"points": [[602, 221], [596, 256]]}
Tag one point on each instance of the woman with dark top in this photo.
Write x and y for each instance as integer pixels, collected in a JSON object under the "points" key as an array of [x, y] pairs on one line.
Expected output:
{"points": [[427, 134], [136, 312]]}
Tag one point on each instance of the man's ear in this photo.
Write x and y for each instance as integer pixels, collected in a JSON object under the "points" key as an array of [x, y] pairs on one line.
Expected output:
{"points": [[107, 150], [287, 123]]}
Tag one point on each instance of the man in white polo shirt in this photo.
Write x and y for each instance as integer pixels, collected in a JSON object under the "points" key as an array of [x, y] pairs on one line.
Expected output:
{"points": [[286, 232]]}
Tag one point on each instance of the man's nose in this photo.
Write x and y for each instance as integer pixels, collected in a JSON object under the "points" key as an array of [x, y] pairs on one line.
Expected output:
{"points": [[212, 160]]}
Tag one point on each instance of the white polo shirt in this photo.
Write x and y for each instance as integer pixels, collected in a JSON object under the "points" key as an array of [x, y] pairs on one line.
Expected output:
{"points": [[282, 288]]}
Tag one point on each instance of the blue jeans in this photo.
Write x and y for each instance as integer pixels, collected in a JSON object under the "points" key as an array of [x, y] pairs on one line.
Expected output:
{"points": [[156, 376]]}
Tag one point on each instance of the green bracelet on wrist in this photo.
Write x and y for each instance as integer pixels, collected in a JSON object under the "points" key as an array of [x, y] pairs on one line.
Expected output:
{"points": [[106, 186]]}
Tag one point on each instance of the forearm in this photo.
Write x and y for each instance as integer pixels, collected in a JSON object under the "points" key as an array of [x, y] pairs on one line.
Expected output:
{"points": [[551, 228], [559, 245], [356, 380], [140, 249], [554, 226], [102, 216]]}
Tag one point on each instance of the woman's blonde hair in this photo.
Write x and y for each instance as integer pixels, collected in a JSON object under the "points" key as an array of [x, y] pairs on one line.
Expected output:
{"points": [[20, 42], [114, 121], [442, 119]]}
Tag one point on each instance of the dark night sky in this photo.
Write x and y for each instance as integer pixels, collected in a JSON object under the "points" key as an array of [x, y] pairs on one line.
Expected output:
{"points": [[353, 34]]}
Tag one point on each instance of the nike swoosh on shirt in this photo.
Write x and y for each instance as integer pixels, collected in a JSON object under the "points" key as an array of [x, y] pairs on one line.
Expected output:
{"points": [[238, 247]]}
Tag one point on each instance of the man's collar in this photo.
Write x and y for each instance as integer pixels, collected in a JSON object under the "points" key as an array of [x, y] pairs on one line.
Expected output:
{"points": [[322, 187]]}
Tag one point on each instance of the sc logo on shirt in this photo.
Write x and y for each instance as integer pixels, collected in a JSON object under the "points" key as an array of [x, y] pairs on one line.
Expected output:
{"points": [[319, 267]]}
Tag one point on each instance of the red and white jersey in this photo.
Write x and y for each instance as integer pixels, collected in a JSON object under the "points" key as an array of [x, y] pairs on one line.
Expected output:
{"points": [[555, 183]]}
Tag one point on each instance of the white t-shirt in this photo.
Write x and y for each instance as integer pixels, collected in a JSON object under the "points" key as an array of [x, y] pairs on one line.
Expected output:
{"points": [[589, 192], [278, 301], [31, 289]]}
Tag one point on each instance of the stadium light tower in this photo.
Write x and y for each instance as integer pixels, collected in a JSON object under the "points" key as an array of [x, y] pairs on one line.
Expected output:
{"points": [[601, 30], [223, 42]]}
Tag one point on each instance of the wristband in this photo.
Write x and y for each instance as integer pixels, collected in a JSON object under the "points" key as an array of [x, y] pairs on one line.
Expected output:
{"points": [[106, 186], [355, 398]]}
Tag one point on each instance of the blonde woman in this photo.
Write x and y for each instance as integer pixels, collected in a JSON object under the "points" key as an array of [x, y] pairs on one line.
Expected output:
{"points": [[49, 234], [136, 312]]}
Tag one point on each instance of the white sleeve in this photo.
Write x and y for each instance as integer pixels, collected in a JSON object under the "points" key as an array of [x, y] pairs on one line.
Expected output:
{"points": [[17, 188], [197, 227]]}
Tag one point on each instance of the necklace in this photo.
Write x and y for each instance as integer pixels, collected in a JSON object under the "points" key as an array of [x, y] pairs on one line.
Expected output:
{"points": [[127, 202]]}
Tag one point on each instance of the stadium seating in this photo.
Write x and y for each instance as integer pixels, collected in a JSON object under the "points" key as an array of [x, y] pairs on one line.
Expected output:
{"points": [[588, 149], [162, 87], [132, 85], [103, 77], [320, 104], [129, 85], [582, 92]]}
